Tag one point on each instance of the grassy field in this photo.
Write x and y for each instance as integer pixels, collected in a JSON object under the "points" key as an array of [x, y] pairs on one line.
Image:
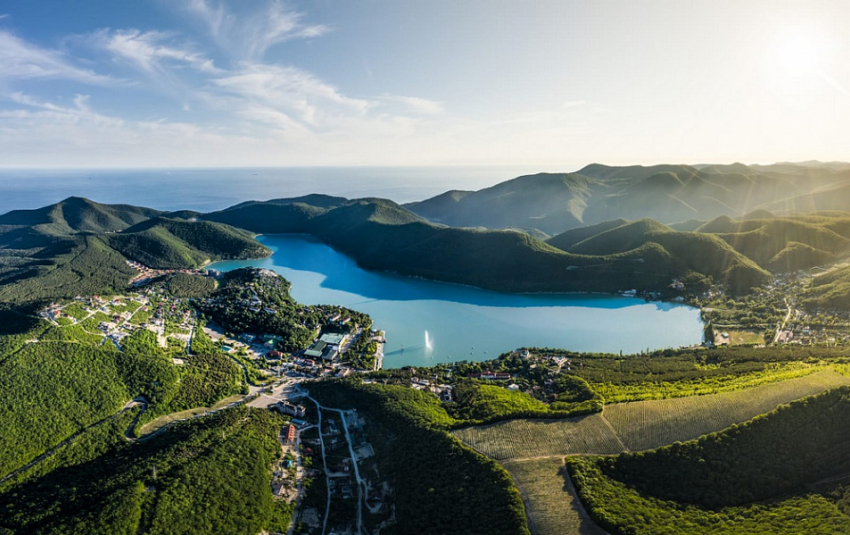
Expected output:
{"points": [[743, 337], [620, 393], [641, 425], [550, 499], [518, 439], [645, 425]]}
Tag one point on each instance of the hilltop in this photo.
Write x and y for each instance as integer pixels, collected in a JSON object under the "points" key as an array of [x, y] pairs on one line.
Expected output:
{"points": [[171, 243], [76, 215], [556, 202], [383, 235], [78, 246]]}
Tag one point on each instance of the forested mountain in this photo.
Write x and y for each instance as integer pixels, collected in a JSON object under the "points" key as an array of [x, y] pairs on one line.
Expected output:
{"points": [[549, 202], [602, 238], [554, 203], [382, 235], [79, 247], [75, 215], [172, 243]]}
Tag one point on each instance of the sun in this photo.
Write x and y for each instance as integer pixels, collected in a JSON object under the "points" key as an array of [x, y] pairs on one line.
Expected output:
{"points": [[800, 53]]}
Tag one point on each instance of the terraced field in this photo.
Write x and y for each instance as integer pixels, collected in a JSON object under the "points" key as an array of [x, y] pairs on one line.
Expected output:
{"points": [[647, 425], [549, 497], [641, 425], [517, 439]]}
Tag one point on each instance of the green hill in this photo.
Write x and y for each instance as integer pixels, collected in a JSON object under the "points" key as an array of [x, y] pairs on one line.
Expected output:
{"points": [[550, 202], [76, 215], [208, 475], [566, 240], [382, 235], [596, 193], [765, 476], [174, 243], [784, 244], [265, 218], [80, 247], [315, 199], [661, 249], [830, 290]]}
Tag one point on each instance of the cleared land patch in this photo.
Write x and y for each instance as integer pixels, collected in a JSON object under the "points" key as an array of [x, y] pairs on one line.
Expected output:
{"points": [[641, 425], [645, 425], [550, 499], [517, 439]]}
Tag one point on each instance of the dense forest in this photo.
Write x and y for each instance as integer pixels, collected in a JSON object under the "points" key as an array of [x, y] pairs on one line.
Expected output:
{"points": [[50, 390], [209, 475]]}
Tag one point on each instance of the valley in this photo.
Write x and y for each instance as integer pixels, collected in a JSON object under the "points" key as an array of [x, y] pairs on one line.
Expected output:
{"points": [[133, 361]]}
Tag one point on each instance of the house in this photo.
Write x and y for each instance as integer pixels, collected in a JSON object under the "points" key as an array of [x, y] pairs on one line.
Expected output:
{"points": [[491, 376], [315, 350], [336, 339], [296, 411], [289, 433]]}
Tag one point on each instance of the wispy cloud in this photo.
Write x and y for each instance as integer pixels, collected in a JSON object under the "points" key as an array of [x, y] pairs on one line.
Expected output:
{"points": [[22, 60], [151, 51], [250, 36], [289, 90], [41, 110]]}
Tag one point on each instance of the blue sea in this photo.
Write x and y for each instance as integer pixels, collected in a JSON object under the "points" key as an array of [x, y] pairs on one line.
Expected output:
{"points": [[207, 190]]}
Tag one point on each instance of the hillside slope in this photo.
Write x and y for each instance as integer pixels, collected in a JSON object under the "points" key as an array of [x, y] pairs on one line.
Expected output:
{"points": [[765, 476], [171, 243], [75, 215], [546, 201], [556, 202], [382, 235]]}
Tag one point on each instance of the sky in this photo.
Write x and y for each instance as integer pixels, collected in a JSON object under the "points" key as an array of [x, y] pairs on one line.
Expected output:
{"points": [[546, 84]]}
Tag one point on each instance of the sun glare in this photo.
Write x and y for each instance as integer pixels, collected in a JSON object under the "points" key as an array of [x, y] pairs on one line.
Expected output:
{"points": [[800, 53]]}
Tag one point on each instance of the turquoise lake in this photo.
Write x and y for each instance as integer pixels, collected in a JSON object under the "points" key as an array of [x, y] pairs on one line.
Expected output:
{"points": [[465, 323]]}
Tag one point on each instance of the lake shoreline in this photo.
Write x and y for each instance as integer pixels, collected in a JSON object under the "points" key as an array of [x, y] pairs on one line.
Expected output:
{"points": [[469, 323]]}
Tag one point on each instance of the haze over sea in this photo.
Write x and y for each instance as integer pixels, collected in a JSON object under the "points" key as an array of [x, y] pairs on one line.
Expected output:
{"points": [[207, 190]]}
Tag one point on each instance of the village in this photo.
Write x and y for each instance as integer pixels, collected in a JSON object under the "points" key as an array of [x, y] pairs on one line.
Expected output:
{"points": [[172, 320], [327, 470]]}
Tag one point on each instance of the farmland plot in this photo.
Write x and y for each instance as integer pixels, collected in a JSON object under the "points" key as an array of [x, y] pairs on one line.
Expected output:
{"points": [[640, 425], [550, 500], [515, 439], [647, 425]]}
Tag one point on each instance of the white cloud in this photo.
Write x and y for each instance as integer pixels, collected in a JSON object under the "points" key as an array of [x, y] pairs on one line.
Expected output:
{"points": [[148, 51], [291, 91], [250, 36], [21, 60]]}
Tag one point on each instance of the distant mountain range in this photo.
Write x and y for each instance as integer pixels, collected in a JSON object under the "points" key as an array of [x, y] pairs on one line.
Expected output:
{"points": [[661, 228], [78, 246], [553, 203]]}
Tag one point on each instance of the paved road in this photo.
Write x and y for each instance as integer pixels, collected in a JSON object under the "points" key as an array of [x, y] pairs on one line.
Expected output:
{"points": [[360, 483], [784, 322], [325, 464]]}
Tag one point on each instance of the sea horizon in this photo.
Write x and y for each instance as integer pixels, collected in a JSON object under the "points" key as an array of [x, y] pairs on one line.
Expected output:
{"points": [[207, 189]]}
